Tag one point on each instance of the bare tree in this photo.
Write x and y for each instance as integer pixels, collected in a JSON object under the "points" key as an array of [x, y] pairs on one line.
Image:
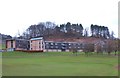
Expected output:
{"points": [[74, 49], [88, 47]]}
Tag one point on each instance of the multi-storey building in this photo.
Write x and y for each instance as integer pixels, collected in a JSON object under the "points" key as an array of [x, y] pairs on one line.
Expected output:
{"points": [[62, 46], [17, 44], [37, 43], [40, 44]]}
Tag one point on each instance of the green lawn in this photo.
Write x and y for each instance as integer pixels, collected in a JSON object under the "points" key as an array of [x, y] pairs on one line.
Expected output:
{"points": [[58, 64], [2, 46]]}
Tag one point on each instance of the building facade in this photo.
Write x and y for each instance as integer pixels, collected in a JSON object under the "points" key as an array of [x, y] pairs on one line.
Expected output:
{"points": [[56, 45], [17, 44], [62, 46], [36, 43]]}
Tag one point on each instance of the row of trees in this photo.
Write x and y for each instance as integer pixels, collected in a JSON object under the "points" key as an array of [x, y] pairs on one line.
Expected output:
{"points": [[41, 29], [100, 31], [48, 29], [3, 37], [107, 46], [71, 29]]}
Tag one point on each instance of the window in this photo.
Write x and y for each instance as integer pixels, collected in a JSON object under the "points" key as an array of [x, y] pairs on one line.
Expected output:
{"points": [[74, 44], [51, 46], [46, 43], [51, 43], [63, 44], [39, 42], [77, 44], [47, 47], [42, 46], [56, 47], [11, 44], [81, 45], [55, 43], [31, 48]]}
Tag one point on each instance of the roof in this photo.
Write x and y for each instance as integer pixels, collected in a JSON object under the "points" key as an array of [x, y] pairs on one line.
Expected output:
{"points": [[62, 41], [39, 38], [81, 40], [16, 39]]}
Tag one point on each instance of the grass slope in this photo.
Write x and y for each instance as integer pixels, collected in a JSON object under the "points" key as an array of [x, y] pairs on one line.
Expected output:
{"points": [[58, 64]]}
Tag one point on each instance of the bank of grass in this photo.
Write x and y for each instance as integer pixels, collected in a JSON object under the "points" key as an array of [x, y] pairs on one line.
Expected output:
{"points": [[58, 64]]}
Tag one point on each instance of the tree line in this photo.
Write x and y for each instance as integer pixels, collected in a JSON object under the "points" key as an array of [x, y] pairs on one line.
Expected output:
{"points": [[68, 30], [3, 37]]}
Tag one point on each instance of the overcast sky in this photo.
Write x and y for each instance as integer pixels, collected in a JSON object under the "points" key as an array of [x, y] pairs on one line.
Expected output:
{"points": [[20, 14]]}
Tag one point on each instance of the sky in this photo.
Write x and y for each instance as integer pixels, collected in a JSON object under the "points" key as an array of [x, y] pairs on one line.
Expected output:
{"points": [[17, 15]]}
